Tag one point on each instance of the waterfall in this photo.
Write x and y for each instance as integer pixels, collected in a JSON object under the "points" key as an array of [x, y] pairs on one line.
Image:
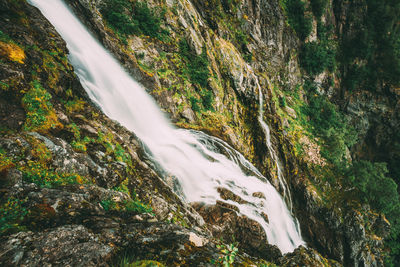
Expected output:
{"points": [[201, 163], [273, 155]]}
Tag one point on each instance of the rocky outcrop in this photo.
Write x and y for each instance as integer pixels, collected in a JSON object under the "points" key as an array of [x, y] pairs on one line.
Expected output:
{"points": [[225, 223], [83, 183]]}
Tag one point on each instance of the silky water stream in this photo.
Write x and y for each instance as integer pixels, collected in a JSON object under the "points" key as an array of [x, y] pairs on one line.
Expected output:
{"points": [[201, 163]]}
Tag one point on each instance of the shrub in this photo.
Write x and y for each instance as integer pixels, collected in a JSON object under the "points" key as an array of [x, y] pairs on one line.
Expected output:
{"points": [[282, 101], [40, 115], [372, 186], [228, 256], [316, 57], [194, 103], [125, 262], [12, 213], [117, 14], [196, 65], [208, 99], [318, 7], [298, 20], [197, 69], [127, 17], [108, 204], [329, 124], [41, 175], [132, 206]]}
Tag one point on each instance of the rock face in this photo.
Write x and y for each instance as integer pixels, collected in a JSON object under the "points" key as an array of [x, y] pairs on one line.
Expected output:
{"points": [[76, 188], [224, 222]]}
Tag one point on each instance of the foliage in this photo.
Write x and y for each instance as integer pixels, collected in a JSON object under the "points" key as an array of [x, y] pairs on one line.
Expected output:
{"points": [[268, 264], [40, 174], [373, 186], [229, 253], [328, 124], [108, 204], [5, 162], [318, 7], [194, 102], [131, 206], [113, 148], [282, 101], [75, 105], [12, 214], [297, 18], [136, 206], [197, 69], [4, 37], [315, 57], [196, 65], [208, 98], [134, 17], [143, 263], [370, 51], [40, 151], [40, 115], [79, 144]]}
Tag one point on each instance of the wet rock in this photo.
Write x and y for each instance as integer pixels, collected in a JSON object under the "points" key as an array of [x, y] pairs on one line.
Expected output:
{"points": [[69, 245], [226, 224], [259, 195], [265, 216], [9, 178], [189, 115], [229, 195], [302, 256], [291, 112], [12, 116]]}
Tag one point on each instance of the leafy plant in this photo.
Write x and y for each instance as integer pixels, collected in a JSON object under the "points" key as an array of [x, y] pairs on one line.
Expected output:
{"points": [[142, 263], [12, 214], [282, 101], [297, 18], [134, 17], [318, 7], [329, 124], [108, 204], [229, 253], [40, 115], [40, 174], [196, 65], [372, 186], [194, 103], [316, 57], [132, 206]]}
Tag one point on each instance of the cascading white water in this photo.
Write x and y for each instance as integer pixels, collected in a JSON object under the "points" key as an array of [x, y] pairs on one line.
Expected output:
{"points": [[278, 165], [193, 157]]}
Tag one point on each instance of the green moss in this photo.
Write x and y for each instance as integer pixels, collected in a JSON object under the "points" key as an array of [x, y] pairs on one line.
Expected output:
{"points": [[315, 57], [297, 18], [228, 255], [40, 115], [43, 176], [12, 214], [5, 38], [5, 162], [132, 206], [143, 263], [318, 7], [134, 17], [4, 86], [197, 67], [75, 105]]}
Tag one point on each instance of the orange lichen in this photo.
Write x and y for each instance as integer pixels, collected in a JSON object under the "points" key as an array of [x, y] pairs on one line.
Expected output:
{"points": [[12, 51]]}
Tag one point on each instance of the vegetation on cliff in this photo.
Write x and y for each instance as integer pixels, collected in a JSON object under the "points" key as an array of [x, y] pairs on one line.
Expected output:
{"points": [[205, 77], [367, 58]]}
